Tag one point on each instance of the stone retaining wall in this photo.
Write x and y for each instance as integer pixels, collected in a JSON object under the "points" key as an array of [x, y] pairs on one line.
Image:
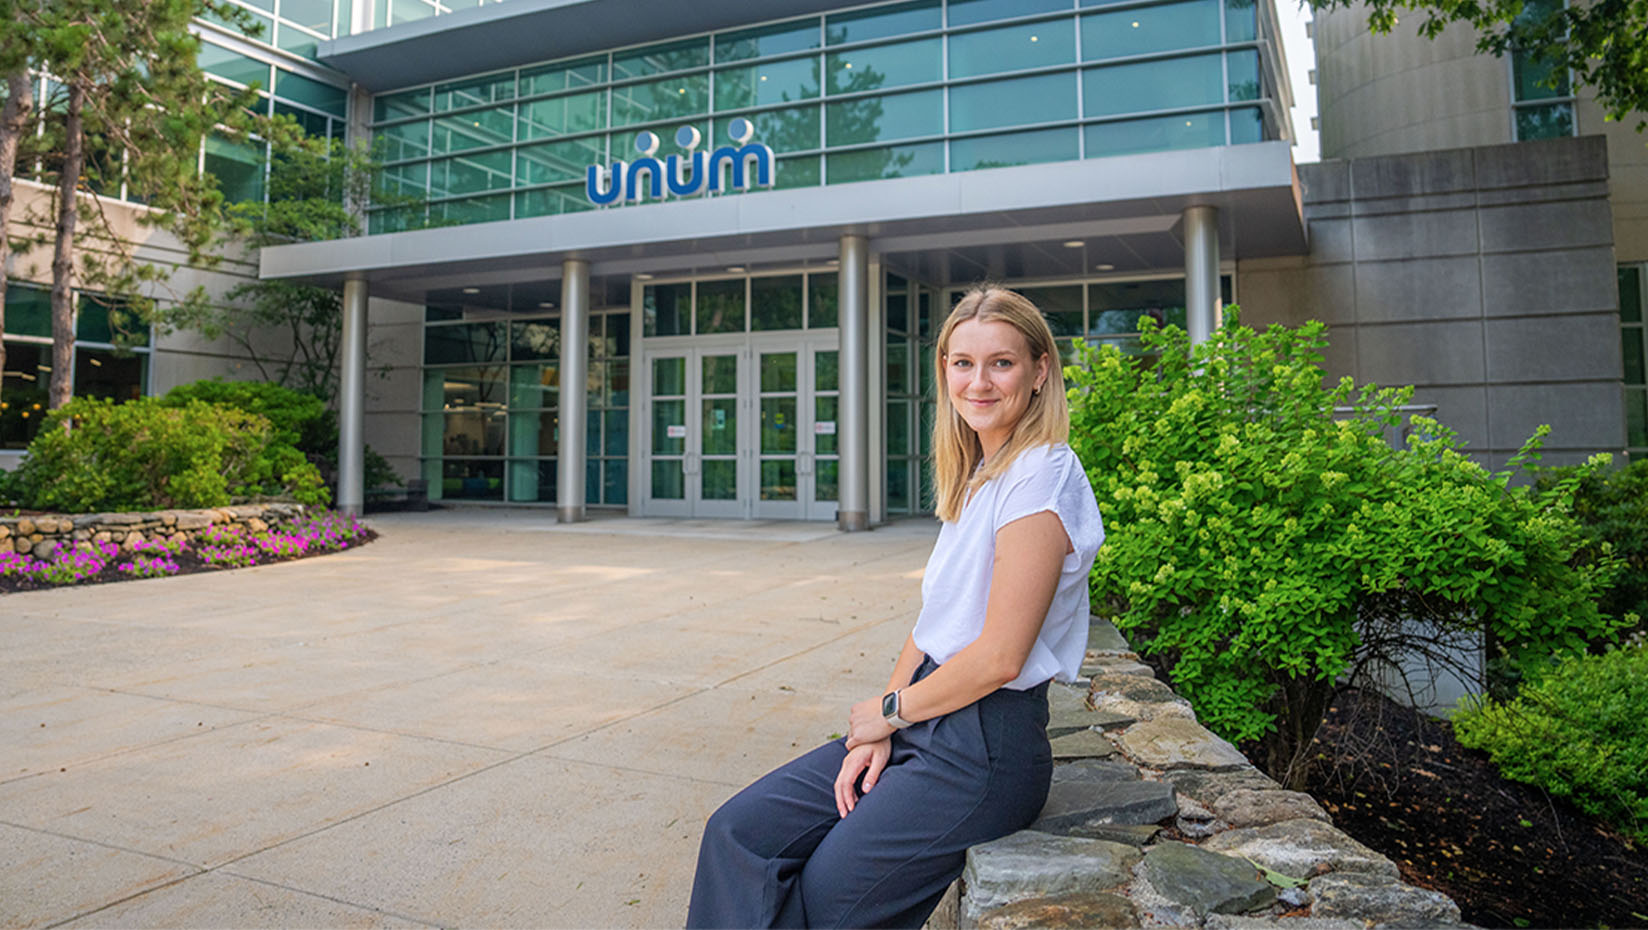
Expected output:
{"points": [[40, 535], [1152, 821]]}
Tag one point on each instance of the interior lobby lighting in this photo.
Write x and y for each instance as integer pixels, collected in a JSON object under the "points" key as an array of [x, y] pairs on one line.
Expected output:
{"points": [[547, 304], [1105, 267], [1074, 243], [735, 269], [643, 276], [471, 290]]}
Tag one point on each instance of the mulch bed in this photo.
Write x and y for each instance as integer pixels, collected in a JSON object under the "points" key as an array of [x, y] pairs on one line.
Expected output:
{"points": [[1510, 854], [188, 563]]}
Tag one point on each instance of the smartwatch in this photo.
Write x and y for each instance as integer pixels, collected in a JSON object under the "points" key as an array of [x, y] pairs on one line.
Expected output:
{"points": [[890, 709]]}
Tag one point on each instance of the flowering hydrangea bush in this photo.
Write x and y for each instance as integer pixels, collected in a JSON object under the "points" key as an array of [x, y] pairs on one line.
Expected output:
{"points": [[215, 547]]}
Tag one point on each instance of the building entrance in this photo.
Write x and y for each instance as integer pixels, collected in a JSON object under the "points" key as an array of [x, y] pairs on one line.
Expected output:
{"points": [[741, 426]]}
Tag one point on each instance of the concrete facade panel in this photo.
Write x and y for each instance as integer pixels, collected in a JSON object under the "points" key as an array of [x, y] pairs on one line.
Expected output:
{"points": [[1565, 348], [1418, 203], [1441, 172], [1293, 295], [1325, 181], [1582, 416], [1576, 281], [1542, 163], [1559, 225], [1445, 353], [1330, 240], [1339, 355], [1415, 235], [1418, 289], [1462, 409]]}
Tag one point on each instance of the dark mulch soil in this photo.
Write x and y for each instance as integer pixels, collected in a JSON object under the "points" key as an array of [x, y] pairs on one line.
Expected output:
{"points": [[1508, 853], [188, 563]]}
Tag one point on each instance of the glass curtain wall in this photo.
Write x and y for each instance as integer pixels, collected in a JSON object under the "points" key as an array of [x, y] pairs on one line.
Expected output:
{"points": [[100, 368], [888, 91], [491, 407], [1633, 337]]}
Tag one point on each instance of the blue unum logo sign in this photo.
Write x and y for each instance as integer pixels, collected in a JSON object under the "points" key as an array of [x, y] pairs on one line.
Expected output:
{"points": [[681, 176]]}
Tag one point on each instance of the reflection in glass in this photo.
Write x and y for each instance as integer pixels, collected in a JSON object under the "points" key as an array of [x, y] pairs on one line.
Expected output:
{"points": [[671, 98], [771, 82], [657, 59], [1014, 148], [1153, 85], [556, 161], [778, 480], [617, 382], [615, 481], [895, 65], [898, 366], [720, 480], [884, 118], [1240, 24], [470, 174], [1140, 30], [826, 483], [898, 161], [1062, 306], [667, 480], [882, 21], [720, 426], [777, 425], [826, 369], [563, 76], [721, 306], [794, 36], [615, 429], [474, 130], [665, 414], [898, 485], [1155, 134], [532, 481], [669, 377], [474, 432], [967, 12], [667, 309], [1551, 121], [1247, 124], [720, 374], [472, 480], [534, 385], [898, 427], [1243, 78], [792, 129], [1012, 48], [822, 293], [1114, 308], [824, 411], [539, 339], [534, 433], [775, 303], [777, 372]]}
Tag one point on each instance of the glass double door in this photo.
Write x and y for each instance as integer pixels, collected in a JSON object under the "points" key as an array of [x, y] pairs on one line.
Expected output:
{"points": [[743, 428]]}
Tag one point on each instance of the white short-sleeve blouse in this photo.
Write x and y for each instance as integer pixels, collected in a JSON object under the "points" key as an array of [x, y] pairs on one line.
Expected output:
{"points": [[956, 586]]}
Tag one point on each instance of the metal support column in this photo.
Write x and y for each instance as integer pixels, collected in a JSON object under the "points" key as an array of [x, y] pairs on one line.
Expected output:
{"points": [[352, 398], [574, 400], [1202, 301], [853, 509]]}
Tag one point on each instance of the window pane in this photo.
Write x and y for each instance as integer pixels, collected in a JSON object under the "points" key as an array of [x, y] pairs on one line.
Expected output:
{"points": [[881, 22], [821, 301], [215, 59], [1153, 85], [657, 100], [1014, 102], [563, 76], [898, 161], [615, 480], [1247, 124], [721, 306], [789, 130], [24, 392], [238, 167], [406, 140], [474, 130], [1150, 29], [557, 161], [1010, 48], [534, 433], [667, 309], [967, 12], [1115, 308], [1551, 121], [884, 119], [1018, 148], [1630, 295], [101, 373], [657, 59], [884, 66], [1240, 25], [471, 480], [469, 174], [536, 340], [1636, 418], [826, 372], [1243, 82], [795, 36], [28, 312], [778, 480], [1534, 75], [532, 481], [1195, 130], [559, 116], [1632, 343], [299, 89], [898, 485], [102, 319], [718, 374], [778, 372], [898, 312], [775, 303], [667, 483], [773, 82], [898, 366], [1062, 306], [496, 88], [465, 342], [395, 106], [472, 209]]}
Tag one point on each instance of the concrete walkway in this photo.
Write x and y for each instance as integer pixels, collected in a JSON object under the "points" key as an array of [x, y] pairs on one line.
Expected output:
{"points": [[482, 719]]}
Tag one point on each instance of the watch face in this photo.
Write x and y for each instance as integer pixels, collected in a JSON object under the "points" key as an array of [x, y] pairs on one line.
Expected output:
{"points": [[889, 704]]}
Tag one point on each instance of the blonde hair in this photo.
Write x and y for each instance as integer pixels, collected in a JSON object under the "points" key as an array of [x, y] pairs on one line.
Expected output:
{"points": [[956, 449]]}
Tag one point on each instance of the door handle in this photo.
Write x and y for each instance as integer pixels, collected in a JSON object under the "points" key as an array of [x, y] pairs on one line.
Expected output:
{"points": [[690, 464], [804, 463]]}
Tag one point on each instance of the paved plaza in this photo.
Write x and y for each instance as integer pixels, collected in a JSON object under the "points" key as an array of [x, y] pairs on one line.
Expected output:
{"points": [[481, 719]]}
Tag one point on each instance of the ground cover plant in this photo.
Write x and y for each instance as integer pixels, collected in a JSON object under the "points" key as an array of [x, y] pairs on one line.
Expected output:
{"points": [[215, 548], [1268, 542]]}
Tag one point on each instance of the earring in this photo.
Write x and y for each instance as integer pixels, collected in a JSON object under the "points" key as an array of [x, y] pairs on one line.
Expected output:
{"points": [[1035, 392]]}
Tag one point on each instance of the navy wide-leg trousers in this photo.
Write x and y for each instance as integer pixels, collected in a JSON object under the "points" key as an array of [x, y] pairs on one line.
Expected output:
{"points": [[778, 855]]}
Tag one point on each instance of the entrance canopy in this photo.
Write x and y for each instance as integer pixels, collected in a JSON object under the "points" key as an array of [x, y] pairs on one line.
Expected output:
{"points": [[1004, 223]]}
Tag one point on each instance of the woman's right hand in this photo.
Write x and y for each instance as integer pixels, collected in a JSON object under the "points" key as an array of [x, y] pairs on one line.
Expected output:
{"points": [[870, 759]]}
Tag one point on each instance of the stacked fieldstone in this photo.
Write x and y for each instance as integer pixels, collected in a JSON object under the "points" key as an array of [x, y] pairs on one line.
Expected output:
{"points": [[1152, 821], [40, 535]]}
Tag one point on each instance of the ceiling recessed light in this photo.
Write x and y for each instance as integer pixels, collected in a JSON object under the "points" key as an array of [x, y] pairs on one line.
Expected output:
{"points": [[547, 304], [643, 276], [1073, 243], [832, 261], [471, 290], [1035, 39], [736, 269], [1105, 267], [1135, 24]]}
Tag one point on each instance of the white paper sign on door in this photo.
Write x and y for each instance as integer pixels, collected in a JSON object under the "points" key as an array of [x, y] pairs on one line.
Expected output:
{"points": [[824, 428], [675, 432]]}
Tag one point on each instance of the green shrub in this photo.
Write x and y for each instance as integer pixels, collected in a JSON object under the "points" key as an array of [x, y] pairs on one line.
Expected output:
{"points": [[1262, 545], [302, 421], [143, 455], [1612, 506], [1579, 731]]}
